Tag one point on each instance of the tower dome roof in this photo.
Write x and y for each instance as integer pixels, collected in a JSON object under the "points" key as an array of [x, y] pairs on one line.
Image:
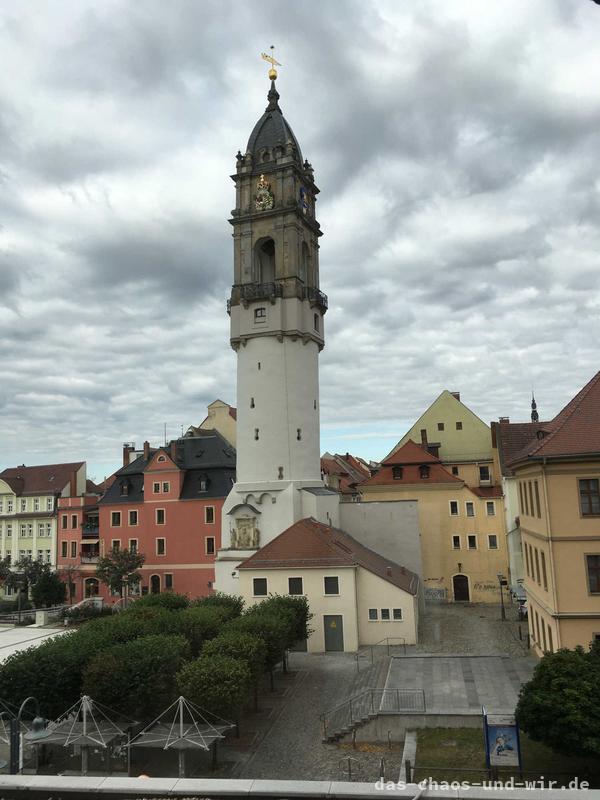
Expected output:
{"points": [[273, 131]]}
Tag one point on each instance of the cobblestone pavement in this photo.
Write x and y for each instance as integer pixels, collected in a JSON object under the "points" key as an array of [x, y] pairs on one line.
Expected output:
{"points": [[289, 746]]}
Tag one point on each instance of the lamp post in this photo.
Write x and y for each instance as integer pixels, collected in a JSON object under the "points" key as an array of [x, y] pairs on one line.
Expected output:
{"points": [[503, 582], [125, 584], [38, 731]]}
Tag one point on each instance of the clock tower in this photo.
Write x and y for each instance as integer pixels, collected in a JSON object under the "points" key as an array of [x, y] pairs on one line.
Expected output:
{"points": [[277, 316]]}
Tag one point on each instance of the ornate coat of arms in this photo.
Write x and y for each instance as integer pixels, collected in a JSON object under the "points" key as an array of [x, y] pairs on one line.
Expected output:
{"points": [[263, 199]]}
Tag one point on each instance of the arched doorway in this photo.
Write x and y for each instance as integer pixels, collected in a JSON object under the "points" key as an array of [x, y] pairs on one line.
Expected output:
{"points": [[91, 587], [154, 584], [460, 586], [264, 261]]}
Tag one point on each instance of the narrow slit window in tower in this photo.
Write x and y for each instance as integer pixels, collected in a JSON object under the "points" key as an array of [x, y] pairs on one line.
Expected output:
{"points": [[251, 402], [256, 433], [299, 433]]}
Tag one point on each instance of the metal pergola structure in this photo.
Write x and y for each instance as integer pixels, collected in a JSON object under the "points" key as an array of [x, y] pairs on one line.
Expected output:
{"points": [[183, 726]]}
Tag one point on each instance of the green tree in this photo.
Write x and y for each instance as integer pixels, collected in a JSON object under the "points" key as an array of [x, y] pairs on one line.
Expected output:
{"points": [[48, 590], [273, 630], [220, 684], [243, 646], [560, 706], [119, 564], [231, 602], [169, 600], [199, 624], [137, 677], [293, 609]]}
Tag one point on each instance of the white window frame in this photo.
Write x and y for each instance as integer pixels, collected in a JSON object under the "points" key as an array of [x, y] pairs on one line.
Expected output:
{"points": [[206, 550], [137, 517], [395, 618], [457, 508], [389, 612], [456, 536], [112, 524], [131, 550], [489, 544], [467, 504], [168, 485], [489, 503], [164, 522], [164, 540], [472, 536], [214, 516], [155, 484], [296, 578], [331, 594], [260, 578], [376, 617]]}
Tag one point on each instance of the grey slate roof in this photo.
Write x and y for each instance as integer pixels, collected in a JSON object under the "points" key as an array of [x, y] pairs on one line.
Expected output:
{"points": [[272, 129]]}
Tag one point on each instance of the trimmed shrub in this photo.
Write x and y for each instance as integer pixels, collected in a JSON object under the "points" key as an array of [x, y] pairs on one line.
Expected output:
{"points": [[243, 646], [292, 609], [271, 629], [219, 684], [169, 600], [137, 677], [199, 624], [231, 602]]}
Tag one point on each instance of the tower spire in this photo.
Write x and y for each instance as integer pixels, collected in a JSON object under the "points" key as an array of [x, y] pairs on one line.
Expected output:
{"points": [[535, 417]]}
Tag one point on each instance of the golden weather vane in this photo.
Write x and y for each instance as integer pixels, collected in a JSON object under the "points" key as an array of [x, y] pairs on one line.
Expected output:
{"points": [[272, 62]]}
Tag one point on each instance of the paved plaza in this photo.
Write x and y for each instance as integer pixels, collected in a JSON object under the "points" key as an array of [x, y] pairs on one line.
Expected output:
{"points": [[13, 640]]}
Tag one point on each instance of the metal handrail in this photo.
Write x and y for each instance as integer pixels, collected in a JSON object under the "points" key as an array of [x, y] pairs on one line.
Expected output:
{"points": [[372, 702], [387, 642]]}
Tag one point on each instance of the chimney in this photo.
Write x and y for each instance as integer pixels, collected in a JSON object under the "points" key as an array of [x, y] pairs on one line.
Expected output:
{"points": [[146, 450], [456, 395], [174, 450], [504, 420], [494, 435], [128, 449], [73, 484], [389, 571]]}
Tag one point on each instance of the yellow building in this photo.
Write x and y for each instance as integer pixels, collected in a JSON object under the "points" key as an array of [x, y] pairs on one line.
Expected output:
{"points": [[462, 441], [558, 484], [222, 418], [462, 529], [357, 597], [28, 508]]}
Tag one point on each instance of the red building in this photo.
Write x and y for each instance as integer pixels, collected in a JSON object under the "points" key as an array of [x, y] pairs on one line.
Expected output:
{"points": [[78, 540], [166, 504]]}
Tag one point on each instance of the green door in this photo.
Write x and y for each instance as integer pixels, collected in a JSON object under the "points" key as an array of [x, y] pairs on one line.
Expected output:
{"points": [[334, 633]]}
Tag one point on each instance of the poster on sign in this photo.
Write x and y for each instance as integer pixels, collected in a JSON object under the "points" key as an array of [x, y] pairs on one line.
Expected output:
{"points": [[501, 740]]}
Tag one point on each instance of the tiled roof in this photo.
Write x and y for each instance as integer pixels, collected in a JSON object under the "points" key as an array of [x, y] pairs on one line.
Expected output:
{"points": [[44, 479], [512, 437], [411, 453], [310, 544], [233, 412], [487, 492], [347, 469], [574, 431]]}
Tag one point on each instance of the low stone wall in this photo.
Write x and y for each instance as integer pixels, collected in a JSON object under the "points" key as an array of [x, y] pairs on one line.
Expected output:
{"points": [[384, 726]]}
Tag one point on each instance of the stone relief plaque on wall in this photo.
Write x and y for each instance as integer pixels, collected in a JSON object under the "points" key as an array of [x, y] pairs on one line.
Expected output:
{"points": [[245, 534]]}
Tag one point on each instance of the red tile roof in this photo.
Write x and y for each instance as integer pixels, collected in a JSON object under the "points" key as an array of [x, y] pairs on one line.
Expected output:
{"points": [[310, 544], [574, 431], [512, 437], [411, 453], [233, 412], [411, 457], [487, 492], [45, 479], [349, 471]]}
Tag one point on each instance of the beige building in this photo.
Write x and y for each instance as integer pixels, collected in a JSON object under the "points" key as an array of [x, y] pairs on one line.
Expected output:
{"points": [[357, 596], [558, 485], [28, 498], [222, 418], [462, 528]]}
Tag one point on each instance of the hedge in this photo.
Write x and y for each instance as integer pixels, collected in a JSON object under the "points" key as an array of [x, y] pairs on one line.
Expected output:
{"points": [[219, 684]]}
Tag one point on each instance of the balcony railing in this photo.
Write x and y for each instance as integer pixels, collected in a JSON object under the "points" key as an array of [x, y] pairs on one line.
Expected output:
{"points": [[89, 558], [90, 530], [260, 291], [316, 296]]}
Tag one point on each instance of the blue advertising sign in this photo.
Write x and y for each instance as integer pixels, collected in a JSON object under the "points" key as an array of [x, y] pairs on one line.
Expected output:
{"points": [[502, 746]]}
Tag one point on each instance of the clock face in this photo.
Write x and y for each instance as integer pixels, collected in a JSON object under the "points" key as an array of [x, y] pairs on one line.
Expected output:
{"points": [[263, 199]]}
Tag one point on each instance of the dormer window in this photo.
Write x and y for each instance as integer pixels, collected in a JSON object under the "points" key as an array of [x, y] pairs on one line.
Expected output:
{"points": [[161, 458], [397, 473], [124, 488], [540, 434], [424, 471], [202, 483]]}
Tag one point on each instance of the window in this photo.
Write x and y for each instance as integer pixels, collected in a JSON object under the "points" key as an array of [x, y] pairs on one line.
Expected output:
{"points": [[529, 486], [373, 615], [133, 517], [166, 487], [23, 530], [115, 545], [30, 529], [484, 473], [459, 426], [397, 614], [385, 615], [168, 580], [295, 586], [454, 508], [259, 587], [124, 488], [8, 531], [36, 504], [470, 508], [492, 541], [156, 488], [49, 504], [1, 505], [160, 516], [424, 471], [537, 566], [9, 506], [490, 508], [73, 520], [73, 549], [456, 542], [424, 434], [115, 519], [252, 403], [64, 549], [455, 470], [23, 505], [331, 585], [550, 642], [209, 515], [161, 547], [161, 458], [397, 473], [472, 541], [260, 314], [536, 490], [64, 521], [316, 322], [133, 545], [209, 545], [544, 574], [202, 484], [589, 497], [256, 434], [526, 553], [440, 426], [593, 573]]}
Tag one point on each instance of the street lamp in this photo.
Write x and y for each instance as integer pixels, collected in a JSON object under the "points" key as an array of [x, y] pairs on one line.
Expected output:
{"points": [[38, 731], [503, 582]]}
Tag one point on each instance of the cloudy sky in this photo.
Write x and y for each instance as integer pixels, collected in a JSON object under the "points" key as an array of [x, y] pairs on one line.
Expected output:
{"points": [[456, 145]]}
